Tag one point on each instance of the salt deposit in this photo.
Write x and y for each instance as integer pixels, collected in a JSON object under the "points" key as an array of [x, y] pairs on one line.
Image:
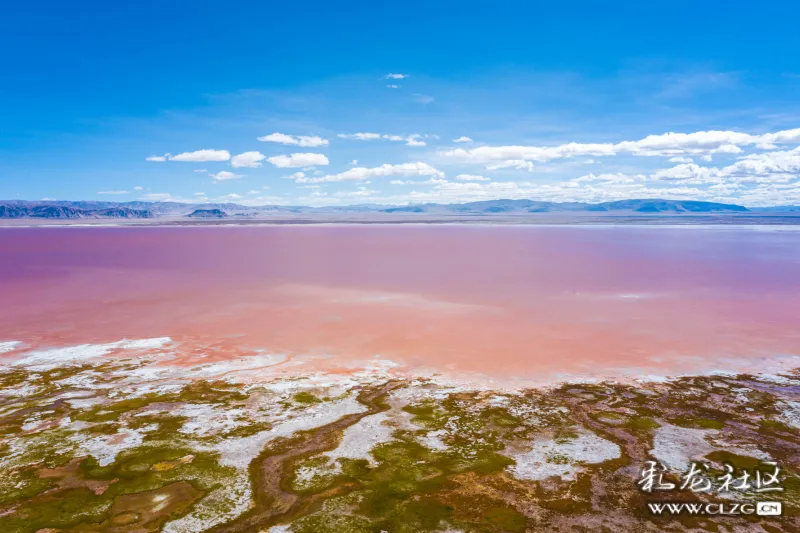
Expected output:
{"points": [[562, 457]]}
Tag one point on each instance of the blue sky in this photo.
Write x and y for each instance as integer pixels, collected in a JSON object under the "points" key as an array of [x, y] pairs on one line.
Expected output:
{"points": [[690, 100]]}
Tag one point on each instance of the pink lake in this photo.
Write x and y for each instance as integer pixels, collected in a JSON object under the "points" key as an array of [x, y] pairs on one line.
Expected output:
{"points": [[505, 303]]}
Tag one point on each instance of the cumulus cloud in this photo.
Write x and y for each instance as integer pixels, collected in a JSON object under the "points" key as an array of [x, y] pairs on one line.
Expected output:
{"points": [[687, 172], [157, 196], [361, 173], [472, 177], [298, 160], [610, 178], [462, 139], [393, 86], [701, 143], [157, 158], [224, 175], [229, 197], [201, 156], [414, 139], [296, 140], [360, 193], [768, 167], [137, 188], [247, 160], [784, 163], [518, 164], [393, 76]]}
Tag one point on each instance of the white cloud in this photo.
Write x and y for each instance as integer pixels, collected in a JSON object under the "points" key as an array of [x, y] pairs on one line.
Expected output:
{"points": [[362, 136], [462, 139], [393, 86], [137, 188], [680, 159], [201, 156], [200, 170], [295, 140], [224, 175], [298, 160], [701, 143], [198, 156], [768, 167], [687, 172], [411, 140], [112, 192], [615, 178], [360, 193], [247, 160], [361, 173], [518, 164], [472, 177], [765, 164], [393, 76], [157, 197], [423, 98]]}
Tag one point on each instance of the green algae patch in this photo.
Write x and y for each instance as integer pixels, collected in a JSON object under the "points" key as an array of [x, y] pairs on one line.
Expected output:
{"points": [[306, 398], [204, 391], [642, 423], [505, 519], [61, 510], [777, 425], [698, 423], [739, 462], [21, 484], [135, 472], [501, 417], [167, 426]]}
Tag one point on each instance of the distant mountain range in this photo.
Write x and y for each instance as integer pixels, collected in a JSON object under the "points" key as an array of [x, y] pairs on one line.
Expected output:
{"points": [[17, 209]]}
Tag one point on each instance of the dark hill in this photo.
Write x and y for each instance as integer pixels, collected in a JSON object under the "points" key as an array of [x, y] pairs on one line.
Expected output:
{"points": [[208, 213]]}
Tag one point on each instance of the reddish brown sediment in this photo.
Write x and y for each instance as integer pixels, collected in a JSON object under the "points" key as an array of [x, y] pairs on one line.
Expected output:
{"points": [[506, 303]]}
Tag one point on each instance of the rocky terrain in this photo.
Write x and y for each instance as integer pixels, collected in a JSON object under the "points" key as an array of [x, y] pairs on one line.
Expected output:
{"points": [[119, 437], [10, 210]]}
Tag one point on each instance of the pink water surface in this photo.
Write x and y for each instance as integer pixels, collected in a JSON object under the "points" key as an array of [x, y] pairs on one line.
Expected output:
{"points": [[506, 302]]}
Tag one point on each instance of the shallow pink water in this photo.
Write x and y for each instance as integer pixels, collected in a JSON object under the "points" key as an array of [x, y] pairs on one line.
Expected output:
{"points": [[508, 302]]}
